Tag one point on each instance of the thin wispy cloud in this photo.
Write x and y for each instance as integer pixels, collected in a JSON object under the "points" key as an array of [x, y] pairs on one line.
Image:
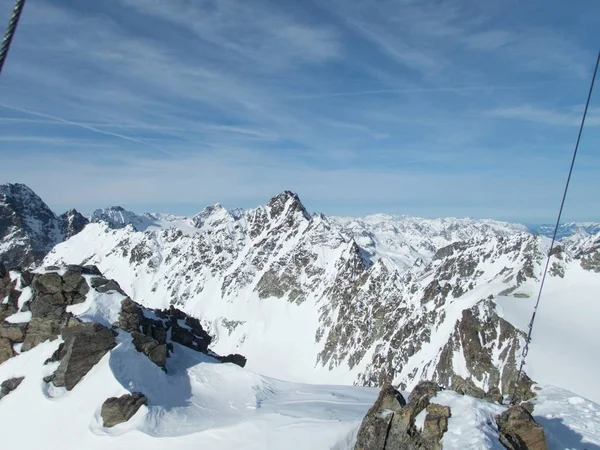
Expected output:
{"points": [[548, 116], [84, 126], [412, 106]]}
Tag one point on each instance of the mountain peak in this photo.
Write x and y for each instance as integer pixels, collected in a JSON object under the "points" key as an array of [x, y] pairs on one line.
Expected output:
{"points": [[119, 217], [287, 201], [212, 215], [28, 227]]}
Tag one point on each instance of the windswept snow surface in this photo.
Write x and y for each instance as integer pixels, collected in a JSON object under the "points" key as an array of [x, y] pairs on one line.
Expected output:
{"points": [[564, 348], [569, 421], [199, 404], [203, 404]]}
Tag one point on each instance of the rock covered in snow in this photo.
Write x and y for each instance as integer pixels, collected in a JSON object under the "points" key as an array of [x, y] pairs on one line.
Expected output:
{"points": [[116, 410]]}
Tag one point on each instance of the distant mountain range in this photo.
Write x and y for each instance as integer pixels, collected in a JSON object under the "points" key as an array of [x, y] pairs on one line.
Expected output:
{"points": [[309, 297]]}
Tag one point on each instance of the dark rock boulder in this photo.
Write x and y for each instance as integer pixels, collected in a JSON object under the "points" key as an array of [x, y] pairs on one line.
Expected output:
{"points": [[234, 358], [131, 315], [53, 293], [3, 271], [90, 270], [186, 337], [104, 285], [49, 300], [85, 345], [75, 286], [519, 431], [117, 410], [154, 350], [9, 385]]}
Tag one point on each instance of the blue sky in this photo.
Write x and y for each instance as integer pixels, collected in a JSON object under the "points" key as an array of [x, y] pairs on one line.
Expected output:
{"points": [[418, 107]]}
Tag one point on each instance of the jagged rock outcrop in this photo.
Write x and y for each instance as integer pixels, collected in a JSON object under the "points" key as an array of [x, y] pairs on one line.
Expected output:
{"points": [[28, 227], [116, 410], [390, 423], [150, 334], [519, 431], [435, 425], [71, 222], [234, 358], [85, 345], [489, 345], [10, 385]]}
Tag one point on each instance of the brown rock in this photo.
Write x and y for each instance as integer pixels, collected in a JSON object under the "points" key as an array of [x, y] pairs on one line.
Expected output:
{"points": [[117, 410], [519, 431], [436, 424], [6, 350]]}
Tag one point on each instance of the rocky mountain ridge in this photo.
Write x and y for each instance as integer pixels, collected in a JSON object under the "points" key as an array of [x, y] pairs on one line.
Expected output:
{"points": [[29, 229], [367, 301]]}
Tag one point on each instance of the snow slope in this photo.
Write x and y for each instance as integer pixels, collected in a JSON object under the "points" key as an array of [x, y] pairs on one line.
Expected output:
{"points": [[200, 403]]}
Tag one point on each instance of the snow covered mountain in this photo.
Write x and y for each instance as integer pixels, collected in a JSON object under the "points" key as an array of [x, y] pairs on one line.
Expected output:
{"points": [[118, 217], [79, 358], [28, 228], [567, 229], [321, 299]]}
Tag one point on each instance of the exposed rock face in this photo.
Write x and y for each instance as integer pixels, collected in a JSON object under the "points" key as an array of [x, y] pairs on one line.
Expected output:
{"points": [[85, 345], [150, 328], [436, 424], [390, 423], [117, 410], [523, 389], [518, 430], [13, 331], [480, 335], [28, 228], [466, 387], [71, 222], [374, 428], [6, 350], [9, 385], [42, 329], [156, 351]]}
